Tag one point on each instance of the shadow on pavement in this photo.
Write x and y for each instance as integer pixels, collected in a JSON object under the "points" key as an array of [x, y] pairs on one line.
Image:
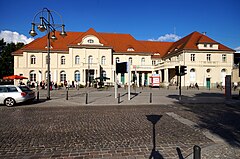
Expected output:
{"points": [[154, 119], [179, 153], [219, 119]]}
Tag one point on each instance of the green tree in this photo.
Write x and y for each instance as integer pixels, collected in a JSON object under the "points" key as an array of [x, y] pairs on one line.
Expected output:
{"points": [[6, 57]]}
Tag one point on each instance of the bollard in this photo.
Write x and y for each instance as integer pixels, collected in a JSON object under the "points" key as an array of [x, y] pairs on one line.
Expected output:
{"points": [[196, 152], [38, 95], [118, 98], [67, 95], [150, 97], [86, 101]]}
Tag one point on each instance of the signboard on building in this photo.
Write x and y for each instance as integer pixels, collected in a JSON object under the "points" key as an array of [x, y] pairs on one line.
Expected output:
{"points": [[155, 80]]}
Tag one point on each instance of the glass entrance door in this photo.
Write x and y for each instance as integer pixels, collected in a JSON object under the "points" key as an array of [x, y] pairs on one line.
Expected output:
{"points": [[208, 82]]}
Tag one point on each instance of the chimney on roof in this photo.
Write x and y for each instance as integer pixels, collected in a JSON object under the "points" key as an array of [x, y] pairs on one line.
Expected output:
{"points": [[204, 33]]}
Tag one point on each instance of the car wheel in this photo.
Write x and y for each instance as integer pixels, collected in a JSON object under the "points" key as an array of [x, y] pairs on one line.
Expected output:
{"points": [[9, 102]]}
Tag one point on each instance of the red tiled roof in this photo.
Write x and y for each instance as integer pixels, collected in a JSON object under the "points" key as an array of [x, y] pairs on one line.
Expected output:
{"points": [[121, 43], [157, 47], [40, 44], [190, 42]]}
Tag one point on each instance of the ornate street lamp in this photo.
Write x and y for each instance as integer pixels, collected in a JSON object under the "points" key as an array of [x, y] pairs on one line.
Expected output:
{"points": [[47, 24]]}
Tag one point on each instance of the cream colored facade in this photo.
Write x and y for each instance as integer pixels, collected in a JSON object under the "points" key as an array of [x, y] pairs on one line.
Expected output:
{"points": [[89, 58], [207, 68]]}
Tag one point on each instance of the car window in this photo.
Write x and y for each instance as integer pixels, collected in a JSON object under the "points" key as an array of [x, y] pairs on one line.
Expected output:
{"points": [[3, 89], [24, 88], [12, 89]]}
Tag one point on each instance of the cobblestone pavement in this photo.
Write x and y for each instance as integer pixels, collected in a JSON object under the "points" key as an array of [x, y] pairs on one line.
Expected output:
{"points": [[66, 129]]}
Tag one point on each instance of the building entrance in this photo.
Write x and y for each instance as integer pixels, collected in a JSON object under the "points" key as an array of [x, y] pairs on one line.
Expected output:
{"points": [[89, 77], [208, 83]]}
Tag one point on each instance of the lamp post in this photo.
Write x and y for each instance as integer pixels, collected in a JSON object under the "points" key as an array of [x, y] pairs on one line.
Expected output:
{"points": [[47, 24]]}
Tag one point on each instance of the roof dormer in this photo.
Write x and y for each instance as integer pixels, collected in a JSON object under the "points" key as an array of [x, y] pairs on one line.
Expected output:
{"points": [[207, 43], [130, 49], [207, 46]]}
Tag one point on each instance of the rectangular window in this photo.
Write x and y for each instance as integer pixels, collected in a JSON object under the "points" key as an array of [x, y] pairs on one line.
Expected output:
{"points": [[224, 58], [153, 62], [208, 57], [33, 60], [192, 57]]}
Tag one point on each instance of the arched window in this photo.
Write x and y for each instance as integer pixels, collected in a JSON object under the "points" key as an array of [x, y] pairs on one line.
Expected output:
{"points": [[192, 75], [143, 61], [103, 60], [90, 59], [77, 76], [77, 60], [223, 75], [130, 60], [33, 59], [63, 60], [32, 76], [63, 76], [117, 59]]}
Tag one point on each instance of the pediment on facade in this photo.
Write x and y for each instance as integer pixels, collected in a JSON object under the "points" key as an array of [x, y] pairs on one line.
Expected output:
{"points": [[90, 40]]}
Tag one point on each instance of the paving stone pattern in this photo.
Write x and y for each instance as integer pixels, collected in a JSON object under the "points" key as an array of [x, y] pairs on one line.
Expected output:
{"points": [[92, 132], [103, 128]]}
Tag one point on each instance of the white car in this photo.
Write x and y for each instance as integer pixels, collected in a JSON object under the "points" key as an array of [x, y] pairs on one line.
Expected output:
{"points": [[11, 94]]}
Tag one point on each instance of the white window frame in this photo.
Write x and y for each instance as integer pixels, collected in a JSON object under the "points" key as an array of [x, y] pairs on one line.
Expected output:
{"points": [[208, 57], [130, 60], [224, 58], [77, 76], [32, 76], [193, 57], [63, 76], [63, 60], [77, 60], [33, 59], [103, 60], [90, 59]]}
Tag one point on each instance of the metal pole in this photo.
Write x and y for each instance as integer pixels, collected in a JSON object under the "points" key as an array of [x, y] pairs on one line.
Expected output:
{"points": [[118, 98], [196, 152], [48, 55], [129, 81], [86, 101], [180, 93], [150, 97], [67, 94], [116, 86]]}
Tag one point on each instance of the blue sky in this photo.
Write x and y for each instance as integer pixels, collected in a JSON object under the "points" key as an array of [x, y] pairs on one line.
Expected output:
{"points": [[152, 19]]}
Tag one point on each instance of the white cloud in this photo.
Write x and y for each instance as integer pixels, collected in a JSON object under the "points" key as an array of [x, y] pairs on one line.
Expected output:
{"points": [[167, 37], [14, 37], [237, 49]]}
